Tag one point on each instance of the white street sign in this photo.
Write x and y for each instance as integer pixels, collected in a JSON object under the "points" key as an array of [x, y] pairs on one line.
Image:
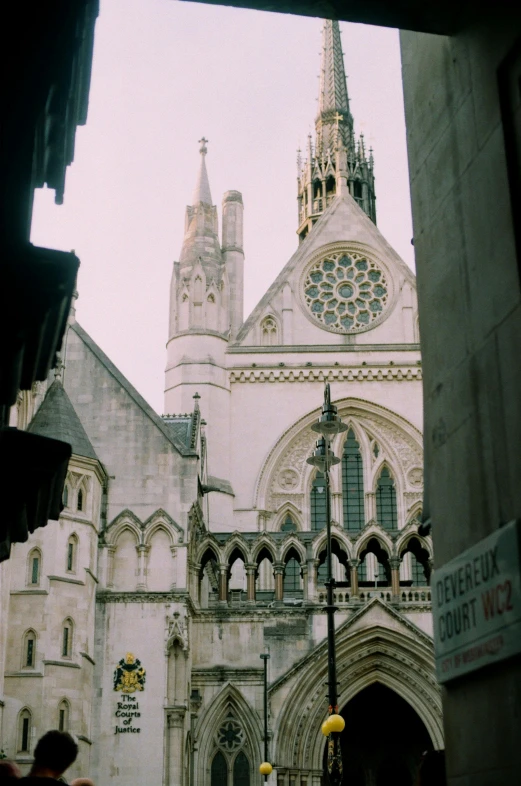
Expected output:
{"points": [[477, 605]]}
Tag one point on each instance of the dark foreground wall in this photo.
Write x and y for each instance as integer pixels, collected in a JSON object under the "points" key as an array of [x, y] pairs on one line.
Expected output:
{"points": [[470, 323]]}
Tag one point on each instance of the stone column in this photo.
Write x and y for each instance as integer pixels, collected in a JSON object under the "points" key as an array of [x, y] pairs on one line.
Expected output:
{"points": [[278, 570], [110, 551], [251, 571], [353, 572], [142, 552], [312, 579], [304, 569], [223, 583], [395, 563], [173, 551], [370, 506], [175, 717]]}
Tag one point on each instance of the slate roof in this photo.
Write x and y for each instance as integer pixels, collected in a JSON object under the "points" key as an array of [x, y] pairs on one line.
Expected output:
{"points": [[181, 427], [57, 418]]}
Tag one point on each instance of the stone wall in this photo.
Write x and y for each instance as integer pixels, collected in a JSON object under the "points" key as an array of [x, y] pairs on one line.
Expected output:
{"points": [[470, 322]]}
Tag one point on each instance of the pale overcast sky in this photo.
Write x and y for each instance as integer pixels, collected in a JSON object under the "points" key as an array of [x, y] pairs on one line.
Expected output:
{"points": [[166, 73]]}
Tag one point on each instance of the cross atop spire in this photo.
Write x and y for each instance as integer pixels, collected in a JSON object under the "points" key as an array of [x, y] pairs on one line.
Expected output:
{"points": [[202, 186], [334, 123], [336, 165]]}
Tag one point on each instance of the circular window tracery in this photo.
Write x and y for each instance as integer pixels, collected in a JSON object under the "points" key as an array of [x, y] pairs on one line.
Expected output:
{"points": [[230, 735], [346, 291]]}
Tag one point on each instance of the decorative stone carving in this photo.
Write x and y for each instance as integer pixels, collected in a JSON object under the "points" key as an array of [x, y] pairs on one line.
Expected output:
{"points": [[177, 631], [288, 479], [415, 476]]}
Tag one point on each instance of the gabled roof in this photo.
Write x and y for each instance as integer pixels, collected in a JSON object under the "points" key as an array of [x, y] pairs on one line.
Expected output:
{"points": [[57, 418], [136, 397], [357, 227], [374, 612]]}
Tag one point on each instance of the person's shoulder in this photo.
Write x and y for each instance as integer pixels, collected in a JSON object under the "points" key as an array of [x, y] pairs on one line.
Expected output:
{"points": [[35, 780]]}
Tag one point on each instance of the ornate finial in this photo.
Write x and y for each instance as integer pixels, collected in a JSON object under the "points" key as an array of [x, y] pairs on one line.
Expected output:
{"points": [[196, 396], [203, 149]]}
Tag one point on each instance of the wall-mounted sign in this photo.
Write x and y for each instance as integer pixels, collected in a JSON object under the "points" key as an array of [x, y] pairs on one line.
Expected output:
{"points": [[476, 603], [129, 677]]}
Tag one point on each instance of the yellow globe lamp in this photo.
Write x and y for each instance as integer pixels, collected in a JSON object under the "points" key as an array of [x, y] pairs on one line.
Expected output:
{"points": [[325, 728], [336, 723], [265, 768]]}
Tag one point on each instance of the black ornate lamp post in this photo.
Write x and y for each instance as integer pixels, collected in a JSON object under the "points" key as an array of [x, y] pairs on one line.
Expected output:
{"points": [[265, 768], [323, 458]]}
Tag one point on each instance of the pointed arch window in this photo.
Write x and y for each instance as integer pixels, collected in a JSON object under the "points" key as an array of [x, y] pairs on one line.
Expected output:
{"points": [[34, 567], [386, 509], [65, 496], [67, 633], [288, 525], [269, 332], [72, 548], [29, 650], [80, 500], [219, 772], [318, 502], [241, 770], [24, 731], [63, 715], [292, 581], [353, 484]]}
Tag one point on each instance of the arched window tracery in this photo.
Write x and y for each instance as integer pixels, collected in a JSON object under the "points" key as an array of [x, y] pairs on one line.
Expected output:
{"points": [[386, 507], [269, 332], [292, 575], [318, 502], [353, 484], [230, 765], [288, 525]]}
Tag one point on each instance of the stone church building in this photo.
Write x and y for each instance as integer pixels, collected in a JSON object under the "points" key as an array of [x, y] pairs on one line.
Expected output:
{"points": [[193, 542]]}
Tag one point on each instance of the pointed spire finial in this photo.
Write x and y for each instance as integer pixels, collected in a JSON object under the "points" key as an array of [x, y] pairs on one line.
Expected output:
{"points": [[202, 186]]}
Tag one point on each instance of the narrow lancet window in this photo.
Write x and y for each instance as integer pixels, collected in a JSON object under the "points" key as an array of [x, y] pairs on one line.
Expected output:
{"points": [[353, 484]]}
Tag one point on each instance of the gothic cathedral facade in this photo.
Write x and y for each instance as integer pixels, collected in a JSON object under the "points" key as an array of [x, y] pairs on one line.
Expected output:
{"points": [[191, 543]]}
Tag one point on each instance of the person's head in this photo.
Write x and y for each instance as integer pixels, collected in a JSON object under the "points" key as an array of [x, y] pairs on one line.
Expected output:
{"points": [[82, 782], [9, 771], [54, 753], [432, 769]]}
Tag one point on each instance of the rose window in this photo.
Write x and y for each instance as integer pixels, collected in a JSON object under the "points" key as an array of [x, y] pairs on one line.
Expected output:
{"points": [[230, 735], [346, 291]]}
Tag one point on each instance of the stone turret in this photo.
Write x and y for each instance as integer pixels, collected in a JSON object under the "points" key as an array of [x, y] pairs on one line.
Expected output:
{"points": [[335, 164], [199, 291], [233, 256], [206, 305]]}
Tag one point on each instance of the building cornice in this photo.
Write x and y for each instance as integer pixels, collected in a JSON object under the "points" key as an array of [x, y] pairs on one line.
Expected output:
{"points": [[307, 349], [376, 373], [105, 596]]}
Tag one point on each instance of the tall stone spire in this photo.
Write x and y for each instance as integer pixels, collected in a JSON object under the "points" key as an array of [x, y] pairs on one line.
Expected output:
{"points": [[202, 186], [333, 101], [201, 241], [336, 165]]}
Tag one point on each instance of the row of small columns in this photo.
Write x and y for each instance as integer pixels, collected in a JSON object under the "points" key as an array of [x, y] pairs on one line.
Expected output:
{"points": [[308, 592]]}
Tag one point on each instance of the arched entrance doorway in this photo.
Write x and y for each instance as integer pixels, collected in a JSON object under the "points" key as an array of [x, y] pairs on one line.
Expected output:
{"points": [[383, 739]]}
